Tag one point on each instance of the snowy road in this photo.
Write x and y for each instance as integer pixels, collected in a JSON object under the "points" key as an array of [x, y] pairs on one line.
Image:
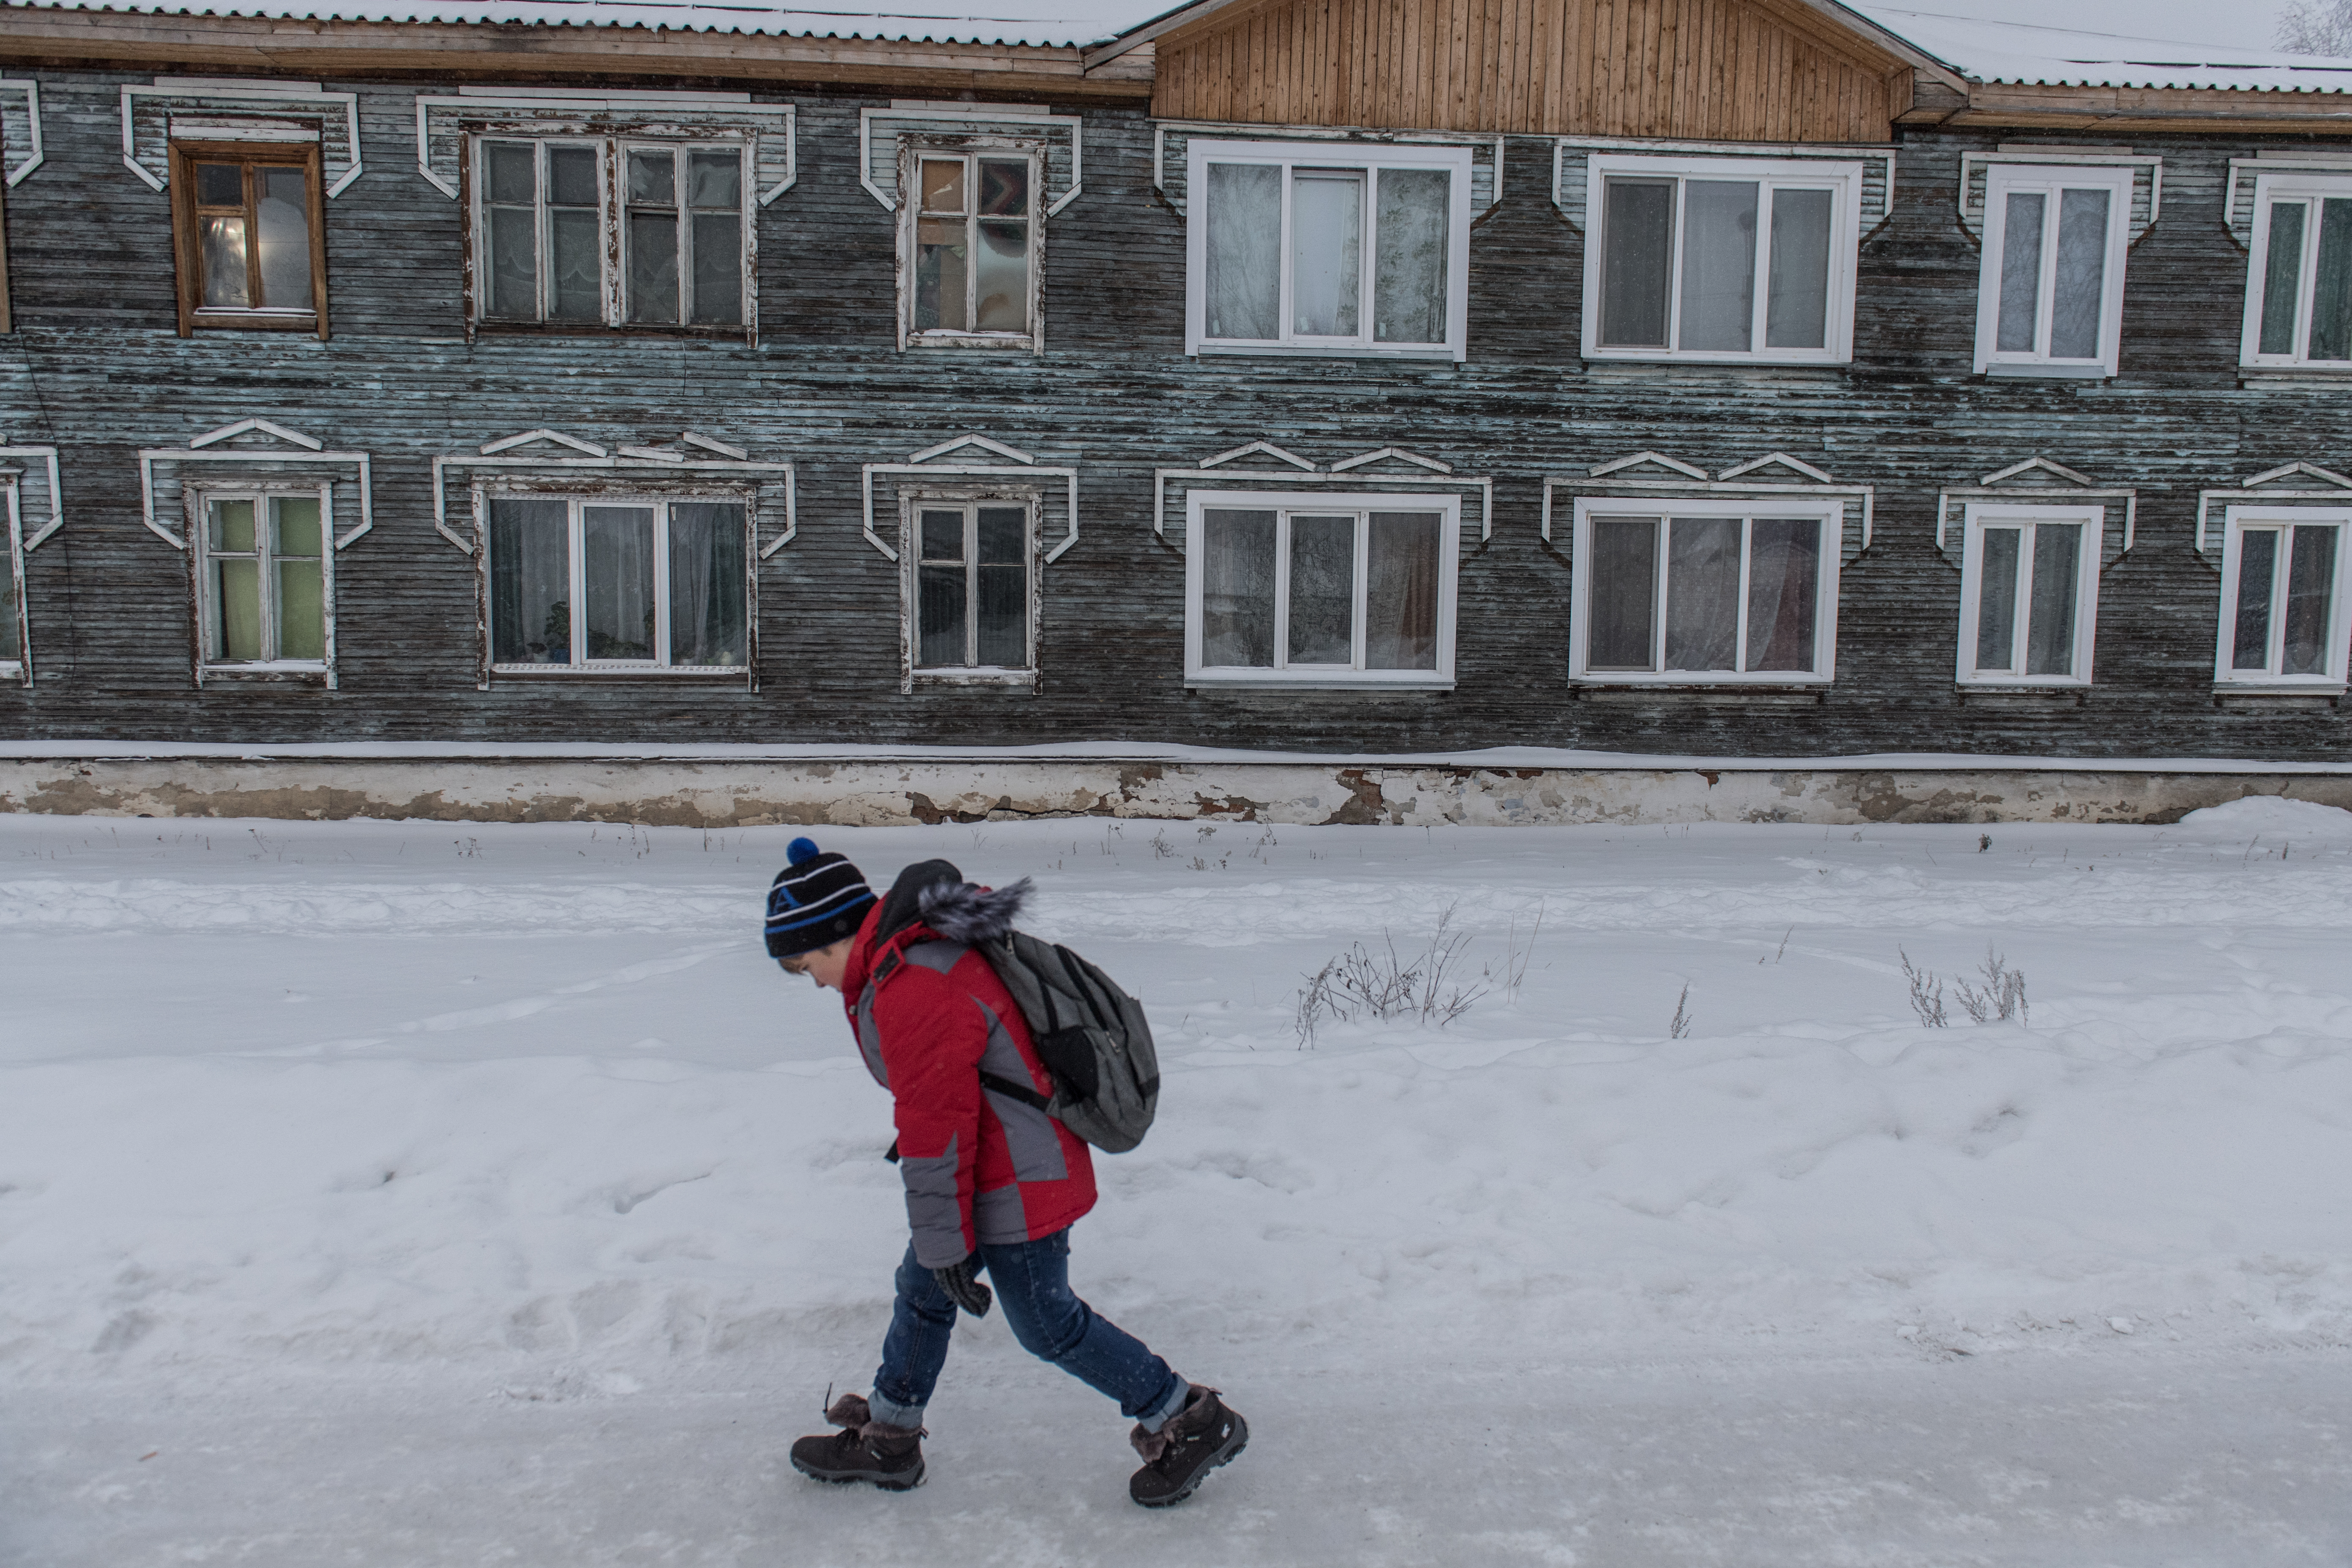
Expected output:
{"points": [[419, 1194]]}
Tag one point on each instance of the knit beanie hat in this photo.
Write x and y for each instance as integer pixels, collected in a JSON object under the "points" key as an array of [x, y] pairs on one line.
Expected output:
{"points": [[815, 901]]}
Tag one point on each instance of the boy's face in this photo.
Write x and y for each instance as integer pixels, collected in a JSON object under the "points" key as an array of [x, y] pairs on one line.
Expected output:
{"points": [[825, 966]]}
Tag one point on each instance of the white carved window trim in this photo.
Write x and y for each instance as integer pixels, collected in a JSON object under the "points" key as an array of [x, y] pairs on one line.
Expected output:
{"points": [[1061, 136], [200, 495], [1289, 154], [21, 542], [20, 129], [2026, 517], [970, 150], [1844, 179], [442, 124], [1284, 503], [1018, 469], [968, 499], [148, 112], [2237, 522], [2313, 187], [2000, 179]]}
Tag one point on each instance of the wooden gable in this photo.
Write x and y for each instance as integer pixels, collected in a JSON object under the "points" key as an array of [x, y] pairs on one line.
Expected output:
{"points": [[1730, 70]]}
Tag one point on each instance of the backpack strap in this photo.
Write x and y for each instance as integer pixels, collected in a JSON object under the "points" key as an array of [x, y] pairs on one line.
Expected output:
{"points": [[1011, 1091]]}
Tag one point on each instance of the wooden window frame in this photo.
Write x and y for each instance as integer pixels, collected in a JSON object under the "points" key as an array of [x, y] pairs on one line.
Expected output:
{"points": [[1829, 511], [187, 244], [2238, 521], [1284, 504], [661, 498], [197, 500], [1976, 518], [2312, 187], [912, 152], [611, 147], [2000, 179], [1843, 177], [968, 499], [1369, 158]]}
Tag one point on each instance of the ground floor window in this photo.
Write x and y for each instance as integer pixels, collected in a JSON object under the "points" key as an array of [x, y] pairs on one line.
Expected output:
{"points": [[2284, 587], [1306, 590], [2029, 595], [1712, 590], [13, 629], [617, 582], [973, 581], [262, 580]]}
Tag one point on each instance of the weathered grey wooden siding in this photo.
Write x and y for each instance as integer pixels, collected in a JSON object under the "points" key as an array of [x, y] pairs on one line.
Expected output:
{"points": [[95, 366]]}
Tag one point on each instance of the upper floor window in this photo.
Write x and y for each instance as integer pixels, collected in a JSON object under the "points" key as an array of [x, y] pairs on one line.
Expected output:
{"points": [[2029, 595], [1704, 590], [621, 584], [1340, 590], [611, 231], [2285, 574], [970, 237], [248, 236], [1725, 259], [2299, 274], [975, 583], [263, 581], [1328, 248], [2051, 292]]}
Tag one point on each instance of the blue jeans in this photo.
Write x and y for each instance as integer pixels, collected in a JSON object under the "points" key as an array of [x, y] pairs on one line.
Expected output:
{"points": [[1032, 1286]]}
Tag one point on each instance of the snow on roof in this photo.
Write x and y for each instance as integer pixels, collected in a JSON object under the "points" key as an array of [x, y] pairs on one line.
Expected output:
{"points": [[1051, 24], [2030, 53]]}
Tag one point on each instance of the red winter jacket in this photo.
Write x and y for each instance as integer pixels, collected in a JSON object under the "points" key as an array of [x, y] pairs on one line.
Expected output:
{"points": [[929, 1013]]}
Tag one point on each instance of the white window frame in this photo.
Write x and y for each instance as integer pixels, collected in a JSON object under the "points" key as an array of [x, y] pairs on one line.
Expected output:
{"points": [[577, 568], [200, 499], [2051, 179], [17, 605], [2314, 187], [1284, 504], [611, 219], [1831, 511], [1843, 178], [2237, 520], [912, 505], [1200, 153], [1974, 521], [972, 150]]}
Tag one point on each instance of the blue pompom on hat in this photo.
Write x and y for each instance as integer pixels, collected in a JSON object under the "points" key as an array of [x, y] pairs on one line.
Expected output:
{"points": [[816, 900]]}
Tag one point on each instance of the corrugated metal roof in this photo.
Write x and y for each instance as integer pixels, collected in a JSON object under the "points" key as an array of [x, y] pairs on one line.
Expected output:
{"points": [[2027, 53], [1063, 23]]}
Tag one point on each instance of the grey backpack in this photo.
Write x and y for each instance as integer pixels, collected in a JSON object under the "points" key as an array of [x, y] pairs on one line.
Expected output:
{"points": [[1091, 1037]]}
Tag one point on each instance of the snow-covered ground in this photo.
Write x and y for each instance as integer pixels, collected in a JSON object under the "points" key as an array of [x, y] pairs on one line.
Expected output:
{"points": [[421, 1194]]}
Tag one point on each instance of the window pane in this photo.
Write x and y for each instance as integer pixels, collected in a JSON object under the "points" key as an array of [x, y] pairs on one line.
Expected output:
{"points": [[220, 185], [1638, 242], [939, 273], [2082, 272], [2331, 285], [2281, 278], [653, 266], [236, 607], [939, 614], [295, 529], [11, 647], [514, 266], [718, 269], [572, 176], [512, 179], [942, 182], [1997, 599], [2021, 273], [1401, 596], [577, 239], [2257, 565], [1703, 592], [1004, 187], [2310, 587], [714, 179], [233, 526], [301, 610], [942, 535], [2057, 572], [1003, 613], [531, 587], [1323, 590], [1784, 574], [225, 287], [1327, 237], [1244, 286], [1409, 269], [282, 219], [1797, 310], [1237, 588], [1001, 285], [1718, 309], [617, 552], [1621, 603], [653, 176], [706, 583]]}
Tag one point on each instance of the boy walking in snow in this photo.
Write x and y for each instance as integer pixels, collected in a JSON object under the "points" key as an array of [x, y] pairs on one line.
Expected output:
{"points": [[994, 1184]]}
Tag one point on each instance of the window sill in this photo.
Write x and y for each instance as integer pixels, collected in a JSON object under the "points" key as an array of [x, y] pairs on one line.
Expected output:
{"points": [[253, 322], [1742, 361], [622, 671], [266, 674], [1001, 342], [1439, 354], [1000, 678], [2316, 691], [2075, 695], [605, 330], [1782, 696], [1322, 680], [2332, 373], [1997, 371]]}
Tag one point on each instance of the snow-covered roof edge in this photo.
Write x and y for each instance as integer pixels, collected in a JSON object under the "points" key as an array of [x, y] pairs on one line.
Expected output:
{"points": [[2029, 54]]}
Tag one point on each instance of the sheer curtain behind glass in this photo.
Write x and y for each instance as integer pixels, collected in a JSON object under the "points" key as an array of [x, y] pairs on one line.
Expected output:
{"points": [[2310, 593], [1322, 599], [1621, 606], [1327, 236], [1410, 245], [1243, 289], [617, 565], [1237, 584], [1784, 575], [707, 584], [531, 587], [1703, 592], [1718, 288], [1401, 590]]}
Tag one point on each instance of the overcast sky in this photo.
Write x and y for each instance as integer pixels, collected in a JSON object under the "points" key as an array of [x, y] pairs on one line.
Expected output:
{"points": [[2247, 24]]}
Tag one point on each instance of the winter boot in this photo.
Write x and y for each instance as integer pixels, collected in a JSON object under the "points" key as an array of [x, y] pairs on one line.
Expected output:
{"points": [[1179, 1455], [864, 1449]]}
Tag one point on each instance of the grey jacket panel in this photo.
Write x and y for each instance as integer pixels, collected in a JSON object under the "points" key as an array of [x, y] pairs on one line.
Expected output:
{"points": [[997, 1217], [1029, 1134], [936, 956], [933, 1215], [869, 1038]]}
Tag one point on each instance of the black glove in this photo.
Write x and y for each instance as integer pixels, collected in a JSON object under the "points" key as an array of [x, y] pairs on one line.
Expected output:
{"points": [[961, 1283]]}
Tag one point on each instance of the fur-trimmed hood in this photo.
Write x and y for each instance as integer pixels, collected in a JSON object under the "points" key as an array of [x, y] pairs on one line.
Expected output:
{"points": [[969, 913]]}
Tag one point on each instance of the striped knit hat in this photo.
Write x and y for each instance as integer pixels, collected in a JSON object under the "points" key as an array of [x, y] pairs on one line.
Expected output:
{"points": [[815, 901]]}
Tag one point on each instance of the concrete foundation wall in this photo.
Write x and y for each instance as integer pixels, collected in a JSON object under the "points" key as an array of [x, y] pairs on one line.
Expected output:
{"points": [[734, 793]]}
